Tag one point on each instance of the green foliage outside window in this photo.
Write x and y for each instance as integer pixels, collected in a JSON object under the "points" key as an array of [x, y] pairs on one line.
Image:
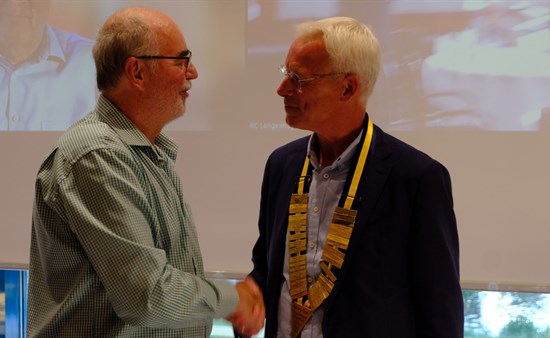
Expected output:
{"points": [[528, 315]]}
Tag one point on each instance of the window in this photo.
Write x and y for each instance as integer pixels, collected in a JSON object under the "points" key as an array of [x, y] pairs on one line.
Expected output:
{"points": [[494, 314], [13, 302], [487, 314]]}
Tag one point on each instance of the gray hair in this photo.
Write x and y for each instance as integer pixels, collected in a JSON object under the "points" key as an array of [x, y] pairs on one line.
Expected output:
{"points": [[352, 48], [124, 36]]}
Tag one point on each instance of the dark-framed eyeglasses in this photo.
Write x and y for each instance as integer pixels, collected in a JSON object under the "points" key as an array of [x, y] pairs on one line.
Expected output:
{"points": [[298, 82], [185, 56]]}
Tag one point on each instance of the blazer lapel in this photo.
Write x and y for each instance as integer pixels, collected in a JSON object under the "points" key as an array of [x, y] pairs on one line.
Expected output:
{"points": [[370, 187]]}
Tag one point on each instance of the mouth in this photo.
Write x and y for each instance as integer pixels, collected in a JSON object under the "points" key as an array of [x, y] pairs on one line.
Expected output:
{"points": [[291, 107], [186, 89]]}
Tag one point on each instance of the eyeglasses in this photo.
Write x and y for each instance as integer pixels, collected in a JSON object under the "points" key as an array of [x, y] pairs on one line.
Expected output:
{"points": [[185, 56], [295, 78]]}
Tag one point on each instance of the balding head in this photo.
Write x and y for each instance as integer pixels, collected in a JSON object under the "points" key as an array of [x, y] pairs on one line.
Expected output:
{"points": [[128, 32], [154, 19], [143, 67]]}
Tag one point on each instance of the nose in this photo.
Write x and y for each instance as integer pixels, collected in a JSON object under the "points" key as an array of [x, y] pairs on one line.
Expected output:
{"points": [[286, 87], [191, 71]]}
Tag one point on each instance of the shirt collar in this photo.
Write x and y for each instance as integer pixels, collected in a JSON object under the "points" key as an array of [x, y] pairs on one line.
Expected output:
{"points": [[342, 161], [50, 48], [128, 131]]}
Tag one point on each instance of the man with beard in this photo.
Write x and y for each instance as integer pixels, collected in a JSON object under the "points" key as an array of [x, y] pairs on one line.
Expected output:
{"points": [[114, 249]]}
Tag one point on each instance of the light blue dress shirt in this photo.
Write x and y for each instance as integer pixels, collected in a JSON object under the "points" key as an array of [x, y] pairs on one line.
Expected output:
{"points": [[325, 190], [52, 90]]}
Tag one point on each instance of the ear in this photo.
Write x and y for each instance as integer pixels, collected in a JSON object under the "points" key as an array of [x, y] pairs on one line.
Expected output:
{"points": [[134, 72], [350, 87]]}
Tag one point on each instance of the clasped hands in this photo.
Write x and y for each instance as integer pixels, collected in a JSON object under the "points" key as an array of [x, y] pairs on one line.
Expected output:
{"points": [[249, 315]]}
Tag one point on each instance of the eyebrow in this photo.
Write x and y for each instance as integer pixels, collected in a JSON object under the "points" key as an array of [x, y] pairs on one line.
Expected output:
{"points": [[185, 53]]}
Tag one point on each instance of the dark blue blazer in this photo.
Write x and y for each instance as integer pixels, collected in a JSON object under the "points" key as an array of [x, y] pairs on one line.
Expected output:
{"points": [[400, 278]]}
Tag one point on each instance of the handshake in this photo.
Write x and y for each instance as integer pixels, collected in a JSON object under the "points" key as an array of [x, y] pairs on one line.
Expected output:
{"points": [[249, 315]]}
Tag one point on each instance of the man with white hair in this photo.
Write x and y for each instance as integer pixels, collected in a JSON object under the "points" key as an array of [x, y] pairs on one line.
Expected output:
{"points": [[357, 233]]}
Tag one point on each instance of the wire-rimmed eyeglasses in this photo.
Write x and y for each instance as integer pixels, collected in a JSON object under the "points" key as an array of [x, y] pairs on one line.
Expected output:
{"points": [[185, 56], [295, 78]]}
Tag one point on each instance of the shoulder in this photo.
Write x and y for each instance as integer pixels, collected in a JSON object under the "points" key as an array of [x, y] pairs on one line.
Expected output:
{"points": [[295, 148], [72, 43], [86, 136], [286, 161], [404, 156], [86, 139]]}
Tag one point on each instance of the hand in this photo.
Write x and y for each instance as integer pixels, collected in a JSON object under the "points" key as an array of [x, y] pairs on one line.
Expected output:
{"points": [[249, 315]]}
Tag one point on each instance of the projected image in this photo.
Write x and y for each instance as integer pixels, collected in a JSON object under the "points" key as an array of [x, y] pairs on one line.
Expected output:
{"points": [[495, 73], [47, 75], [47, 72], [472, 65]]}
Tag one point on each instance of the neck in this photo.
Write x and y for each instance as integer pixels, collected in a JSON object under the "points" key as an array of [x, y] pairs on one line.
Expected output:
{"points": [[17, 52], [330, 148], [137, 112]]}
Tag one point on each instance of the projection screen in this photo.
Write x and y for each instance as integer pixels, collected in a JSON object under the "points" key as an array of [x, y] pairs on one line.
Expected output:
{"points": [[468, 82]]}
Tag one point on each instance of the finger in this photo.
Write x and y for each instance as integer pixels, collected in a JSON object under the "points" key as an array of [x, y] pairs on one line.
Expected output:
{"points": [[253, 286]]}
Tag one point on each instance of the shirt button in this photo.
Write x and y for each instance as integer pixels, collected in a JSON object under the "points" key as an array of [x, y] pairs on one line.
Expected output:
{"points": [[316, 209], [310, 280], [14, 118], [311, 245], [326, 176]]}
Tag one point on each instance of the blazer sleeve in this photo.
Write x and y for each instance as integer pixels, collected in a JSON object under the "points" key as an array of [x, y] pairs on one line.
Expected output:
{"points": [[435, 261]]}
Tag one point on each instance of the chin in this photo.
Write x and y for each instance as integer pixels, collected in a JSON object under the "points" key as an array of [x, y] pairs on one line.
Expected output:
{"points": [[298, 122], [293, 122], [180, 110]]}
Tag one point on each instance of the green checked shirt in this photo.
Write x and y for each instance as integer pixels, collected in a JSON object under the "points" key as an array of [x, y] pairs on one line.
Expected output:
{"points": [[114, 250]]}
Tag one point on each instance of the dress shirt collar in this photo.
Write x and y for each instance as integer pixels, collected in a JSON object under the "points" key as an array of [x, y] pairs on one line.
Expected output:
{"points": [[50, 48], [342, 162], [128, 131]]}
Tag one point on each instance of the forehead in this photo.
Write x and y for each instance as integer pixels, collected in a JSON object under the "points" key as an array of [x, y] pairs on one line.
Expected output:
{"points": [[170, 39], [308, 54]]}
